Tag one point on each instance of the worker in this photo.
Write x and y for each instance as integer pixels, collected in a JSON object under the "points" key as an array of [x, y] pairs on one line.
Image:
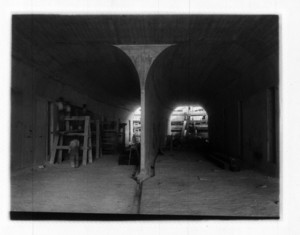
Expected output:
{"points": [[74, 152]]}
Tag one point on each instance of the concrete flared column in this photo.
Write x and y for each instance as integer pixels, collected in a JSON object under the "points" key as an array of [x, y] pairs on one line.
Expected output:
{"points": [[142, 57]]}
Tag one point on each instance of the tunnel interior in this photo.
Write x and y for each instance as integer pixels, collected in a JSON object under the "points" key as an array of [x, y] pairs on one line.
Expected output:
{"points": [[227, 63], [236, 80], [131, 72]]}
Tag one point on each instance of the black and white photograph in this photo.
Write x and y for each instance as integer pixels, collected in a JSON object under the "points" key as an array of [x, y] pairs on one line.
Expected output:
{"points": [[137, 117], [148, 115]]}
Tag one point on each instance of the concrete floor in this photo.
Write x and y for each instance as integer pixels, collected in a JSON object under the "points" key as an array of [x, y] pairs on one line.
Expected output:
{"points": [[185, 184], [101, 187]]}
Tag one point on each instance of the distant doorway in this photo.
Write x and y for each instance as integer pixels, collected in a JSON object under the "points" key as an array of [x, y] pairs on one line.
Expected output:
{"points": [[189, 122], [135, 126]]}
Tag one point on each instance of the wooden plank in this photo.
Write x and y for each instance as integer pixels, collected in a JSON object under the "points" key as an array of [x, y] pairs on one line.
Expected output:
{"points": [[53, 151]]}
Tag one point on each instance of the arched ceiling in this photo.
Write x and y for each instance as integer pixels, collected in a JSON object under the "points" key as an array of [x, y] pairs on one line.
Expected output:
{"points": [[101, 70], [211, 52], [204, 72]]}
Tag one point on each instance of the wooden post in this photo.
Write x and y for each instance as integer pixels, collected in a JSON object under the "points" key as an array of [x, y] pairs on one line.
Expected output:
{"points": [[53, 150], [129, 129], [100, 139], [85, 140], [59, 160], [90, 145], [97, 138], [52, 128]]}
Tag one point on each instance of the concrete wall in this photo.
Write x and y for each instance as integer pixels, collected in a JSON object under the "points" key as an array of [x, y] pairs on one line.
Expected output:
{"points": [[254, 130], [30, 89], [256, 134], [240, 116], [246, 125], [242, 130]]}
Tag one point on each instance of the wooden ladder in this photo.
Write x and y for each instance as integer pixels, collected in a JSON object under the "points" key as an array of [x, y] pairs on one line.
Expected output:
{"points": [[58, 146]]}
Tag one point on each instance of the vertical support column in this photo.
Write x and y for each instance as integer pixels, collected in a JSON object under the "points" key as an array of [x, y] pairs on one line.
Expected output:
{"points": [[142, 57], [143, 132]]}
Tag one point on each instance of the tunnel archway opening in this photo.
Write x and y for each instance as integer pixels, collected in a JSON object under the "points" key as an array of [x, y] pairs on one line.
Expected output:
{"points": [[135, 126], [189, 120], [188, 126]]}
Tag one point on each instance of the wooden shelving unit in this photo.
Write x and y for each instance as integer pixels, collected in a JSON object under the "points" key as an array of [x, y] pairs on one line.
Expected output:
{"points": [[86, 135]]}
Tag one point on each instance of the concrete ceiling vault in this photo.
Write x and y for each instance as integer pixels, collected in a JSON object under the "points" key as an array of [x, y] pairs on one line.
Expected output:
{"points": [[213, 52], [204, 71]]}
